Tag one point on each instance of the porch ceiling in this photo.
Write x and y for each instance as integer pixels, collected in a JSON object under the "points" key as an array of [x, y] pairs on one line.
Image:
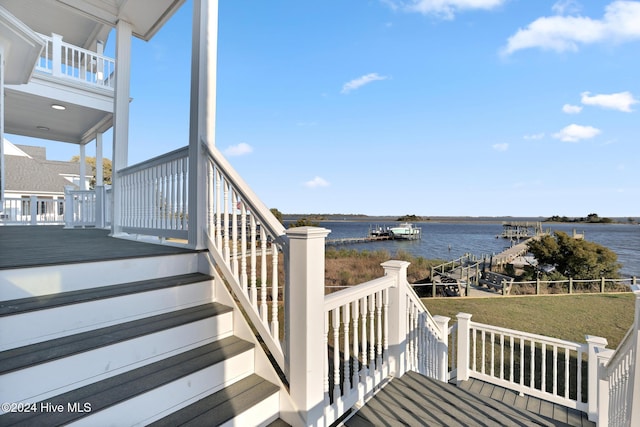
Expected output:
{"points": [[31, 115], [83, 22]]}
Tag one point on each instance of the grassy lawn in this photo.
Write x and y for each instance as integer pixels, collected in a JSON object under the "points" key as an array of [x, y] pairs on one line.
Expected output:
{"points": [[567, 317]]}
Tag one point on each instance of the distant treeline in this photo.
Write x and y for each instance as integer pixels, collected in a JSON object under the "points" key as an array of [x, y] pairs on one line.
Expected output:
{"points": [[591, 218]]}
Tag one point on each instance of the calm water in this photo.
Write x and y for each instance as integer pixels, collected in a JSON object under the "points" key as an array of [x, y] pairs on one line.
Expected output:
{"points": [[451, 240]]}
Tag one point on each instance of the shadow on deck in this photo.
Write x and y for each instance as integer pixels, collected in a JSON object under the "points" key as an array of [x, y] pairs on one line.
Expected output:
{"points": [[417, 400], [32, 246]]}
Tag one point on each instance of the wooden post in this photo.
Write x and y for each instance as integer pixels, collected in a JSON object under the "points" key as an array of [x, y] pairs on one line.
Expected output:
{"points": [[602, 285], [570, 285], [537, 286]]}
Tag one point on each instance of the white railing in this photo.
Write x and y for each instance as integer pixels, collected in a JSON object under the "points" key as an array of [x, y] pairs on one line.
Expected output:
{"points": [[80, 208], [153, 196], [427, 341], [248, 244], [544, 367], [32, 210], [61, 59], [356, 341], [619, 385]]}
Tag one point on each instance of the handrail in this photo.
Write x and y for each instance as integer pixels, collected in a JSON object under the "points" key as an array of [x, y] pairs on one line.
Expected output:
{"points": [[353, 293], [249, 198], [245, 240]]}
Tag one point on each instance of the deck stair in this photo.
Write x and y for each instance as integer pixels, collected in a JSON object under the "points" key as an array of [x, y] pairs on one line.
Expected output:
{"points": [[100, 353]]}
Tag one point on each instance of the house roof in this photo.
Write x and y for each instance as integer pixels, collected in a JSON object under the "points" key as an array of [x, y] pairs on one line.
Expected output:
{"points": [[33, 173]]}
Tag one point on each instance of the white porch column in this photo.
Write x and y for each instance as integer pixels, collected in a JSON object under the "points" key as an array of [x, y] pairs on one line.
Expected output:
{"points": [[397, 317], [203, 111], [121, 115], [99, 186], [99, 169], [304, 319], [83, 168], [2, 183]]}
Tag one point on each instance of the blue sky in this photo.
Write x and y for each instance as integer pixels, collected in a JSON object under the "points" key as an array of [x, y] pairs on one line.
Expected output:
{"points": [[426, 107]]}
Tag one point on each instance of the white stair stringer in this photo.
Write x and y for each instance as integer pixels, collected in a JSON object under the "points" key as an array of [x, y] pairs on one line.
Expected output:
{"points": [[137, 380]]}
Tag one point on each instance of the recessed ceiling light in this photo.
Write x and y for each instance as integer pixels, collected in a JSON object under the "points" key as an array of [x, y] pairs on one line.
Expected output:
{"points": [[43, 128], [58, 107]]}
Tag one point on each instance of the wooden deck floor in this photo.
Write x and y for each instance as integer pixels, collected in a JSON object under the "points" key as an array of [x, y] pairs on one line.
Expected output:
{"points": [[30, 246], [414, 400]]}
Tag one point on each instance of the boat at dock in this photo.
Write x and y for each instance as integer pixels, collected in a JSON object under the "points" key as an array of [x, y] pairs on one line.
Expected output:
{"points": [[405, 231]]}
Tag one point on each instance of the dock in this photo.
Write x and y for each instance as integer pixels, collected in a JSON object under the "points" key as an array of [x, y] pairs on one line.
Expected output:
{"points": [[349, 240]]}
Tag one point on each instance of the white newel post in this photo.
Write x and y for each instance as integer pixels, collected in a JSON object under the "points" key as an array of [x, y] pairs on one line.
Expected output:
{"points": [[304, 320], [33, 209], [397, 316], [68, 206], [635, 370], [464, 320], [596, 345], [603, 387], [443, 347]]}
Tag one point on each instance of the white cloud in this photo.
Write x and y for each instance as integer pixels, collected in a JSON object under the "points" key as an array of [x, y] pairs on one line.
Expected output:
{"points": [[361, 81], [500, 147], [238, 150], [534, 136], [316, 182], [621, 101], [566, 6], [574, 133], [445, 9], [571, 109], [621, 22]]}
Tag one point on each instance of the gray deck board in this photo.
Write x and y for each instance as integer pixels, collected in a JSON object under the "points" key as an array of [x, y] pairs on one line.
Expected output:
{"points": [[417, 400], [31, 246]]}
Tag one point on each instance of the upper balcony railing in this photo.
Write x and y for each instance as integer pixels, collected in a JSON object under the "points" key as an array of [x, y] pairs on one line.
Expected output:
{"points": [[60, 59]]}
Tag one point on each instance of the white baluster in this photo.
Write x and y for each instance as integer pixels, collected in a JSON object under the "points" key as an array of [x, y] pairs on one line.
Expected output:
{"points": [[501, 356], [263, 274], [335, 322], [226, 251], [234, 234], [372, 336], [275, 325], [355, 314], [378, 298], [345, 331], [532, 367], [566, 372], [325, 377], [243, 244], [365, 355], [254, 291], [218, 210], [543, 364], [385, 312]]}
